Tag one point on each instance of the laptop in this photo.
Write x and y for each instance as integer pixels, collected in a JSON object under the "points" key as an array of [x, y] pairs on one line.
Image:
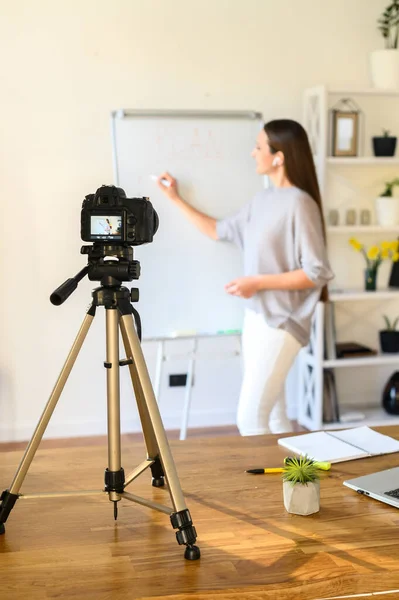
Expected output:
{"points": [[382, 486]]}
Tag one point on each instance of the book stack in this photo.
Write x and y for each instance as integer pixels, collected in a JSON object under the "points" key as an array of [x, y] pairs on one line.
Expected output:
{"points": [[334, 350], [352, 350]]}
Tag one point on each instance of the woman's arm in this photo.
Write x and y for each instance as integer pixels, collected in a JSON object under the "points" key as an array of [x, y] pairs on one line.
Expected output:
{"points": [[203, 222], [292, 280], [310, 253], [246, 287], [309, 245]]}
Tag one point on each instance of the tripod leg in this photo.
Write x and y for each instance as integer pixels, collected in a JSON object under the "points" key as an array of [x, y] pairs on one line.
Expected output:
{"points": [[181, 518], [10, 496], [114, 474], [149, 437]]}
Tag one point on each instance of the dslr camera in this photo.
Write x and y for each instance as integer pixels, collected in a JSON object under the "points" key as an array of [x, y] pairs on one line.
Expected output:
{"points": [[109, 217]]}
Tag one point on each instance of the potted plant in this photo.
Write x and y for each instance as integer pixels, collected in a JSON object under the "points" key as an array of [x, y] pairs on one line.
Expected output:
{"points": [[385, 63], [384, 145], [389, 187], [387, 205], [374, 257], [389, 337], [301, 486]]}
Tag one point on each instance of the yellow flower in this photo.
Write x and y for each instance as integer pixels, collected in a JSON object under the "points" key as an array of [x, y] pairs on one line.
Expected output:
{"points": [[395, 257], [385, 253], [373, 253], [355, 244], [390, 246]]}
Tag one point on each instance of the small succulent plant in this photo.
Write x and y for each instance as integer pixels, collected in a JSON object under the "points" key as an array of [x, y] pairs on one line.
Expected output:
{"points": [[301, 469], [390, 325], [389, 185]]}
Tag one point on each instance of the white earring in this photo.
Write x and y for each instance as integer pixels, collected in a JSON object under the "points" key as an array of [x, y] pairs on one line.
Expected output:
{"points": [[276, 162]]}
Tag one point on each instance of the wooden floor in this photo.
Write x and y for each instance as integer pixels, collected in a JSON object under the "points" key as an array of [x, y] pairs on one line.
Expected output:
{"points": [[252, 549]]}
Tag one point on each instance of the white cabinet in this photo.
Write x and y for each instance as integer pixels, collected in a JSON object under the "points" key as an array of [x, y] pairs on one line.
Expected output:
{"points": [[312, 359], [313, 363], [316, 103]]}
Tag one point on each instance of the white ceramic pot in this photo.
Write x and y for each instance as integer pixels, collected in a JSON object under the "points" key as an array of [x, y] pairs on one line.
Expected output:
{"points": [[302, 499], [387, 210], [384, 69]]}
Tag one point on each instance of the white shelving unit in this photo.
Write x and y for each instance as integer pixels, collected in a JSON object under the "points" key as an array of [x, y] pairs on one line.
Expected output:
{"points": [[373, 417], [361, 92], [360, 161], [347, 229], [315, 121], [378, 359], [312, 361], [355, 295]]}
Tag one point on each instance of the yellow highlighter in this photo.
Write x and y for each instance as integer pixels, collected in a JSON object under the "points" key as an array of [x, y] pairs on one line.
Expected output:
{"points": [[325, 466]]}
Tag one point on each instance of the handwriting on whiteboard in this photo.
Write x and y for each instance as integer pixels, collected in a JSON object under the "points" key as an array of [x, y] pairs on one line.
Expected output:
{"points": [[197, 144]]}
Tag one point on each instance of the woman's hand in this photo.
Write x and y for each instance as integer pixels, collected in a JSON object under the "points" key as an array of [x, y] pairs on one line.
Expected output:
{"points": [[244, 287], [204, 222], [171, 190]]}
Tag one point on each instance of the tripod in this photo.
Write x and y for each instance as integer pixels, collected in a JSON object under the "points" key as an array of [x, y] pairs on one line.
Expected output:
{"points": [[119, 315]]}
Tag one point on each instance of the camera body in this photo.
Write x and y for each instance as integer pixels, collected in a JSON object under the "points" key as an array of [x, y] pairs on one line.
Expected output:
{"points": [[109, 217]]}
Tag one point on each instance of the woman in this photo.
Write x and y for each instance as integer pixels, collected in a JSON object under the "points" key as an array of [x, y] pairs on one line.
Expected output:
{"points": [[282, 235]]}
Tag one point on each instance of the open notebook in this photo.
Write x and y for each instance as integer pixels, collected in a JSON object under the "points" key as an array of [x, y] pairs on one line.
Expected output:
{"points": [[337, 446]]}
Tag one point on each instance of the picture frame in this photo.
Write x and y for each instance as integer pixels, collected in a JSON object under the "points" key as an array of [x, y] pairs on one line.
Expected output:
{"points": [[345, 133]]}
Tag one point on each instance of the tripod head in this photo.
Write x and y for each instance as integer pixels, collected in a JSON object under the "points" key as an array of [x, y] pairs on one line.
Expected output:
{"points": [[110, 264]]}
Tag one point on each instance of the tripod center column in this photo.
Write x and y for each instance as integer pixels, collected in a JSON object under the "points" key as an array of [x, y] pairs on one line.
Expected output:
{"points": [[114, 418]]}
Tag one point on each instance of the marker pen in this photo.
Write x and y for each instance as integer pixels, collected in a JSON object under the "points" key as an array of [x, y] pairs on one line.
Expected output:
{"points": [[163, 181]]}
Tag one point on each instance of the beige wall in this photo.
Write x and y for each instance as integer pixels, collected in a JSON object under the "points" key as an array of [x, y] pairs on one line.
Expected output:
{"points": [[65, 66]]}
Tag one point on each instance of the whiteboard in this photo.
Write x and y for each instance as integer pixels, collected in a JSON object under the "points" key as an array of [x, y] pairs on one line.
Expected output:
{"points": [[183, 273]]}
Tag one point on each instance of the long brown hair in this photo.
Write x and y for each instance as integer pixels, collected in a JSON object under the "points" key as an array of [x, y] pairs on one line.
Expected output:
{"points": [[290, 138]]}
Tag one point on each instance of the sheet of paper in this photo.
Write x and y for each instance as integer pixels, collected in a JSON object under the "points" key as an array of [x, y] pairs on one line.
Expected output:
{"points": [[367, 439], [322, 447]]}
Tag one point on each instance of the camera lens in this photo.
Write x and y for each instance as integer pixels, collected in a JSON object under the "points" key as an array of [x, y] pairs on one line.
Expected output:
{"points": [[156, 222]]}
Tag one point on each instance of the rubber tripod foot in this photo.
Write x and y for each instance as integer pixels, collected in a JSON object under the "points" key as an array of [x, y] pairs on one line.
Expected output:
{"points": [[192, 553], [2, 528], [158, 481]]}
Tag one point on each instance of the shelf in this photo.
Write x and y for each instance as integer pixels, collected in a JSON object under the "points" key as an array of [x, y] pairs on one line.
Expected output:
{"points": [[318, 101], [355, 295], [363, 91], [372, 417], [362, 160], [361, 229], [363, 361]]}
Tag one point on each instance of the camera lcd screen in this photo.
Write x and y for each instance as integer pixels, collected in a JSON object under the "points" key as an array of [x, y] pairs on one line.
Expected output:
{"points": [[106, 227]]}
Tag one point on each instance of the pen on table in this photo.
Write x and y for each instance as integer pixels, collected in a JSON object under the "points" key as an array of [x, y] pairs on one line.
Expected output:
{"points": [[270, 470], [325, 466]]}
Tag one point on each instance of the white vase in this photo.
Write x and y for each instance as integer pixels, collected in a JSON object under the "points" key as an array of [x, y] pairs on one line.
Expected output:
{"points": [[384, 69], [387, 210], [301, 498]]}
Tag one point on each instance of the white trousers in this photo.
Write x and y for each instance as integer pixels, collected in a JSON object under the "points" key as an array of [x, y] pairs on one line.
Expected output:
{"points": [[268, 354]]}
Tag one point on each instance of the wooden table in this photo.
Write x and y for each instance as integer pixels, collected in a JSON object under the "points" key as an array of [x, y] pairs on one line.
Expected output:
{"points": [[251, 547]]}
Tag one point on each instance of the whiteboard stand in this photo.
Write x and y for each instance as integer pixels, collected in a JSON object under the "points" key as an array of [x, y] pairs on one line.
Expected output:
{"points": [[189, 387], [209, 152], [158, 372], [192, 356]]}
